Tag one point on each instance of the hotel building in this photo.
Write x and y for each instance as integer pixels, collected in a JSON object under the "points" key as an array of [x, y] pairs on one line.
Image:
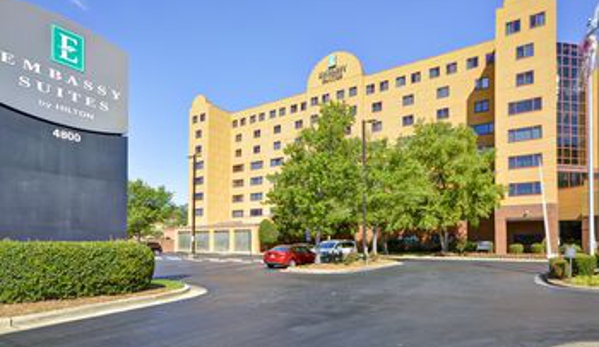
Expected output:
{"points": [[518, 92]]}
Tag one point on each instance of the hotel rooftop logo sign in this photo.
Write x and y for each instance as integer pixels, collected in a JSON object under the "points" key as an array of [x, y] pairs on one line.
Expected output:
{"points": [[68, 48], [334, 72], [58, 71]]}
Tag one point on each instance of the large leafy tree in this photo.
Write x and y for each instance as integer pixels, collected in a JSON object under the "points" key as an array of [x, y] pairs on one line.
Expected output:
{"points": [[317, 185], [461, 177], [147, 206]]}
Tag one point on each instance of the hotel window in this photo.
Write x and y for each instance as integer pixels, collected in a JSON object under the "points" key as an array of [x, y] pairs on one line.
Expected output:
{"points": [[199, 196], [314, 101], [400, 81], [370, 89], [276, 145], [299, 124], [348, 131], [194, 119], [490, 58], [408, 100], [235, 123], [199, 212], [253, 119], [522, 189], [434, 72], [261, 117], [256, 196], [276, 162], [326, 98], [482, 83], [340, 94], [276, 129], [237, 183], [242, 122], [256, 181], [524, 106], [256, 212], [452, 68], [353, 110], [293, 109], [282, 111], [200, 165], [303, 106], [416, 77], [443, 113], [383, 86], [512, 27], [472, 63], [238, 168], [525, 134], [198, 134], [256, 149], [484, 129], [407, 120], [353, 91], [272, 114], [199, 150], [442, 92], [257, 165], [199, 180], [237, 214], [377, 107], [377, 126], [537, 20], [237, 198], [202, 117], [313, 119], [525, 51], [525, 161], [525, 78], [238, 153], [482, 106], [257, 134]]}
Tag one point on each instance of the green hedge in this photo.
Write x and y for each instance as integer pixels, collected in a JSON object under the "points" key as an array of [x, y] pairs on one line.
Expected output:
{"points": [[516, 248], [537, 248], [584, 265], [558, 268], [36, 271]]}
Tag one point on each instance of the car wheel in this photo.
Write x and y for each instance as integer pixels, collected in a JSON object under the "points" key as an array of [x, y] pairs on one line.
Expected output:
{"points": [[270, 266], [292, 263]]}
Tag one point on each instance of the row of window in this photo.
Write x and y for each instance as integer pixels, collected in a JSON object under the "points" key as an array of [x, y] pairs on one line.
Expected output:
{"points": [[254, 212], [257, 165], [253, 197], [535, 21]]}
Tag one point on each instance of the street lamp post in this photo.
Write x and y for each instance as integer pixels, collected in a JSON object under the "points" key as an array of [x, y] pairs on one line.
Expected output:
{"points": [[364, 180], [193, 157]]}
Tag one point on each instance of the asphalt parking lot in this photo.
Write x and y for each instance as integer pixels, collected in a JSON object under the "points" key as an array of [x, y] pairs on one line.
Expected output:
{"points": [[418, 304]]}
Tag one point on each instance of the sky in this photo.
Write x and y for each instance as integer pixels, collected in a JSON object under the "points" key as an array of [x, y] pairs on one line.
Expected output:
{"points": [[241, 53]]}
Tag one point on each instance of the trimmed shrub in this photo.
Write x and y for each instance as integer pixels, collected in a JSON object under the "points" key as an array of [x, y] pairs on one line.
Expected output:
{"points": [[558, 268], [36, 271], [352, 258], [537, 248], [517, 248], [584, 265], [268, 234]]}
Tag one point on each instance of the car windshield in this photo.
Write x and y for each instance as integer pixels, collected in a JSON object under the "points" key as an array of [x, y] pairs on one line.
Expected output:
{"points": [[280, 249], [327, 245]]}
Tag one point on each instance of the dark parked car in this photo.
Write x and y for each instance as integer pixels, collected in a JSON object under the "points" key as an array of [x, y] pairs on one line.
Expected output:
{"points": [[288, 256], [155, 247]]}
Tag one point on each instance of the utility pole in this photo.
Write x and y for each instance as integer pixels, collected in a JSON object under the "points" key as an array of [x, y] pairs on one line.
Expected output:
{"points": [[365, 182]]}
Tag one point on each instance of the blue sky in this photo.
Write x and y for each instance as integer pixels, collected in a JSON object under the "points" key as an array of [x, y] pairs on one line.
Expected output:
{"points": [[241, 53]]}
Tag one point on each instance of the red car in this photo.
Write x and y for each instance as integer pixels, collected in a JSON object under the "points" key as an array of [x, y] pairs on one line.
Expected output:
{"points": [[288, 256]]}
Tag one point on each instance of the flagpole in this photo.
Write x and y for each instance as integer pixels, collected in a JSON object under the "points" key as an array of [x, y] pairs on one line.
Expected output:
{"points": [[591, 159]]}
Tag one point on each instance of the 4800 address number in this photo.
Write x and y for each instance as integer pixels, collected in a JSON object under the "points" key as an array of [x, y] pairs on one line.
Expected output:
{"points": [[67, 135]]}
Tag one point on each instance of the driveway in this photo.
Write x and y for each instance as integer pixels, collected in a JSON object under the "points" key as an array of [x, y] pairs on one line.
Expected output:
{"points": [[418, 304]]}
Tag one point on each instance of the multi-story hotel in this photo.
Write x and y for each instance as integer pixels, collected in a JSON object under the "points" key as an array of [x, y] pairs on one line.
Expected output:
{"points": [[518, 92]]}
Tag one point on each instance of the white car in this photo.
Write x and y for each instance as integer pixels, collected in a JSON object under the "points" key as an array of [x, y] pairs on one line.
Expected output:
{"points": [[338, 249]]}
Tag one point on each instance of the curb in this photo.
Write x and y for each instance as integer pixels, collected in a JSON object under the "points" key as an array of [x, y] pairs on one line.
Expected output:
{"points": [[472, 259], [545, 281], [340, 272], [38, 320]]}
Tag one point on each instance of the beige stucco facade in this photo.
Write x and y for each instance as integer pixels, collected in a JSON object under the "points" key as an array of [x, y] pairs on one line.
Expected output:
{"points": [[238, 150]]}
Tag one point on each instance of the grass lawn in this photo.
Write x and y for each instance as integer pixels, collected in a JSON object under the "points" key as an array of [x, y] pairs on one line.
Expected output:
{"points": [[157, 286]]}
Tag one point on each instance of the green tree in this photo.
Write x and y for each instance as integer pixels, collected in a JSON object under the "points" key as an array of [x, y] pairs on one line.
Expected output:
{"points": [[147, 206], [268, 233], [461, 177], [178, 216], [317, 185]]}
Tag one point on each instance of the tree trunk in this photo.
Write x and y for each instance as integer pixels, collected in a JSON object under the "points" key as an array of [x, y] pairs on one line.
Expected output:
{"points": [[444, 241], [375, 240], [385, 244]]}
